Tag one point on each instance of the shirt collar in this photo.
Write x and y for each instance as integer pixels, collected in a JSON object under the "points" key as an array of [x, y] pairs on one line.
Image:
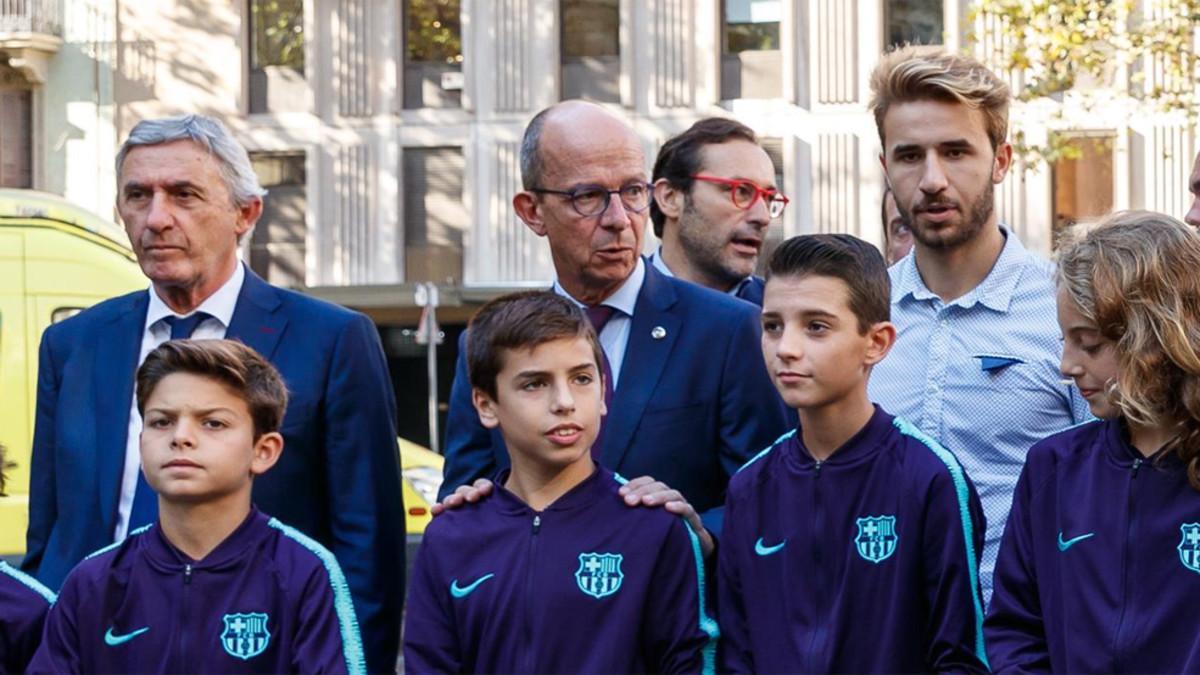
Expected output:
{"points": [[656, 259], [219, 305], [625, 299], [994, 292]]}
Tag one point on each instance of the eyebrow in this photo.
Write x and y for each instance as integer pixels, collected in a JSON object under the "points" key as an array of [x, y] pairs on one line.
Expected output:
{"points": [[172, 186], [201, 413], [808, 314], [953, 144]]}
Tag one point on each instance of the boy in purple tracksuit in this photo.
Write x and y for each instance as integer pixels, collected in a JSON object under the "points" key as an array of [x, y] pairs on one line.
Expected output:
{"points": [[23, 605], [852, 543], [553, 573], [214, 586], [1099, 566]]}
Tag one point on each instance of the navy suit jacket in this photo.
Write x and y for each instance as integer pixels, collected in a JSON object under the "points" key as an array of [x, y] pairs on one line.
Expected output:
{"points": [[690, 407], [752, 291], [338, 479]]}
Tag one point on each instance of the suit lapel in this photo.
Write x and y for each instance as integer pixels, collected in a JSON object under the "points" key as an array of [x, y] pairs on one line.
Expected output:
{"points": [[646, 356], [255, 320], [116, 354]]}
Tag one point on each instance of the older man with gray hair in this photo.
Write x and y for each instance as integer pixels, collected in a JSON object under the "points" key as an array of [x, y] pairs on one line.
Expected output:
{"points": [[187, 194]]}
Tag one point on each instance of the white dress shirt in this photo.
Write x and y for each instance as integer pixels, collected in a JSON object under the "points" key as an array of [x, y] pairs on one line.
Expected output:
{"points": [[615, 336], [220, 307]]}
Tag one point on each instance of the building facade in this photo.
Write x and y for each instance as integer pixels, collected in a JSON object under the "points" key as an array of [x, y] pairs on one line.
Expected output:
{"points": [[387, 130]]}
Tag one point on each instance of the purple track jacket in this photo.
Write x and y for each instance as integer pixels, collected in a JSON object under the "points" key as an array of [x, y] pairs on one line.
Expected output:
{"points": [[865, 562], [267, 600], [23, 605], [589, 585], [1099, 567]]}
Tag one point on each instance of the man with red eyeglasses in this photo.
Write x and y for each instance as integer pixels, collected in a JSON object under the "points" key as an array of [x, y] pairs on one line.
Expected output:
{"points": [[714, 196]]}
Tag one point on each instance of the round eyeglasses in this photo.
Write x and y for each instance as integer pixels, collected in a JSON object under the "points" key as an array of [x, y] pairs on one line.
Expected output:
{"points": [[744, 193], [592, 200]]}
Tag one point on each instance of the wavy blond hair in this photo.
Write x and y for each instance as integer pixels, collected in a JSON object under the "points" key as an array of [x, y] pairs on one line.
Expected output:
{"points": [[1136, 275], [909, 73]]}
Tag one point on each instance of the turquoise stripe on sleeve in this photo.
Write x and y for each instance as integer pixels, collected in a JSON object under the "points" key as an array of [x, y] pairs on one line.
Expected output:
{"points": [[707, 624], [27, 581], [352, 646], [964, 511], [768, 449]]}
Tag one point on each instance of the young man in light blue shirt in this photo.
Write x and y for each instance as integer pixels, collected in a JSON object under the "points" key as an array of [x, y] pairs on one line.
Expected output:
{"points": [[975, 364]]}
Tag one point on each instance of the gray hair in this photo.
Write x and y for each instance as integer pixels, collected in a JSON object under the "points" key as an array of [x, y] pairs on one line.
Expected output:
{"points": [[531, 161], [232, 160]]}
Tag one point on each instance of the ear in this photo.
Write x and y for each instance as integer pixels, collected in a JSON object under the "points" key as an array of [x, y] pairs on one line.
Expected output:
{"points": [[880, 338], [267, 450], [883, 163], [485, 407], [250, 213], [669, 198], [1002, 163], [529, 210]]}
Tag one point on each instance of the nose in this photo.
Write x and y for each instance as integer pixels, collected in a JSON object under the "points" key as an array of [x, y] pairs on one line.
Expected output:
{"points": [[933, 179], [759, 213], [1069, 366], [1193, 215], [790, 346], [615, 216], [184, 436], [158, 216], [563, 401]]}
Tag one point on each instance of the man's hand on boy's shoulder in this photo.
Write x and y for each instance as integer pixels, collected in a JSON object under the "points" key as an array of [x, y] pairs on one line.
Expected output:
{"points": [[463, 494], [645, 491]]}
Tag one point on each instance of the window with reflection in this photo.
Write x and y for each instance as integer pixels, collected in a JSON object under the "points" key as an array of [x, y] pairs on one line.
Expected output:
{"points": [[277, 56], [591, 50], [277, 243], [751, 60], [435, 216], [918, 22], [433, 54]]}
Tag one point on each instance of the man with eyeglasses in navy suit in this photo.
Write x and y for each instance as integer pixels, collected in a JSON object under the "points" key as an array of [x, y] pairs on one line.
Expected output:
{"points": [[714, 197], [689, 400]]}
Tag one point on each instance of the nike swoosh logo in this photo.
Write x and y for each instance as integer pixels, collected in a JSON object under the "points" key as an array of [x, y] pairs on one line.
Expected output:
{"points": [[768, 550], [114, 640], [458, 592], [1064, 545]]}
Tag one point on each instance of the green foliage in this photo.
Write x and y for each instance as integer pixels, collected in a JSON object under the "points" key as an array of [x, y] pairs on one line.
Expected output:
{"points": [[434, 33], [1052, 47], [278, 32]]}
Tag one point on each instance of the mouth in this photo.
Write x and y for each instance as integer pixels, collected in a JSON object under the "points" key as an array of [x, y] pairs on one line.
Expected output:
{"points": [[181, 464], [750, 246], [790, 377], [614, 251], [937, 212], [565, 434]]}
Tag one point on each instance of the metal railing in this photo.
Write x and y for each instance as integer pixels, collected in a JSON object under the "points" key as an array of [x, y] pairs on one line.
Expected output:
{"points": [[31, 16]]}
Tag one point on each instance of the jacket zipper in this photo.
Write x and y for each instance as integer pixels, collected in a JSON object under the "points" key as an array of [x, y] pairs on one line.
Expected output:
{"points": [[529, 650], [817, 641], [184, 662], [1126, 596]]}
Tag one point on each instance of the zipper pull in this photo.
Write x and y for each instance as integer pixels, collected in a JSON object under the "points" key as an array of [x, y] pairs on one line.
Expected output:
{"points": [[818, 466], [1136, 463], [537, 522], [187, 574]]}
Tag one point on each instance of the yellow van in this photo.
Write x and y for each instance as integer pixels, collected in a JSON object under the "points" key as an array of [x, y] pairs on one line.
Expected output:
{"points": [[55, 260]]}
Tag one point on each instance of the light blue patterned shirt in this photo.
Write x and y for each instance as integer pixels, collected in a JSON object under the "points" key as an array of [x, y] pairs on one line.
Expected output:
{"points": [[980, 374]]}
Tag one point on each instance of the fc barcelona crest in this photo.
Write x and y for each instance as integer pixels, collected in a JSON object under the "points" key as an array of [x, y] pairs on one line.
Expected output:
{"points": [[599, 574], [1189, 546], [877, 538], [246, 635]]}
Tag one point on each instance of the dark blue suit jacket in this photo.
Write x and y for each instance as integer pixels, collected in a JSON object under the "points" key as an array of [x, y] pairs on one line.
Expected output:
{"points": [[752, 291], [338, 479], [689, 409]]}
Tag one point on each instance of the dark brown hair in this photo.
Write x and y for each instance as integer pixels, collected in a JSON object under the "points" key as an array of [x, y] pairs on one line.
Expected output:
{"points": [[858, 264], [230, 363], [521, 321], [679, 158]]}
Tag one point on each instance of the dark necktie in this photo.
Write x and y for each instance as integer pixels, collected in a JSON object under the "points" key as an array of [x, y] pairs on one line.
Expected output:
{"points": [[145, 502], [599, 316]]}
